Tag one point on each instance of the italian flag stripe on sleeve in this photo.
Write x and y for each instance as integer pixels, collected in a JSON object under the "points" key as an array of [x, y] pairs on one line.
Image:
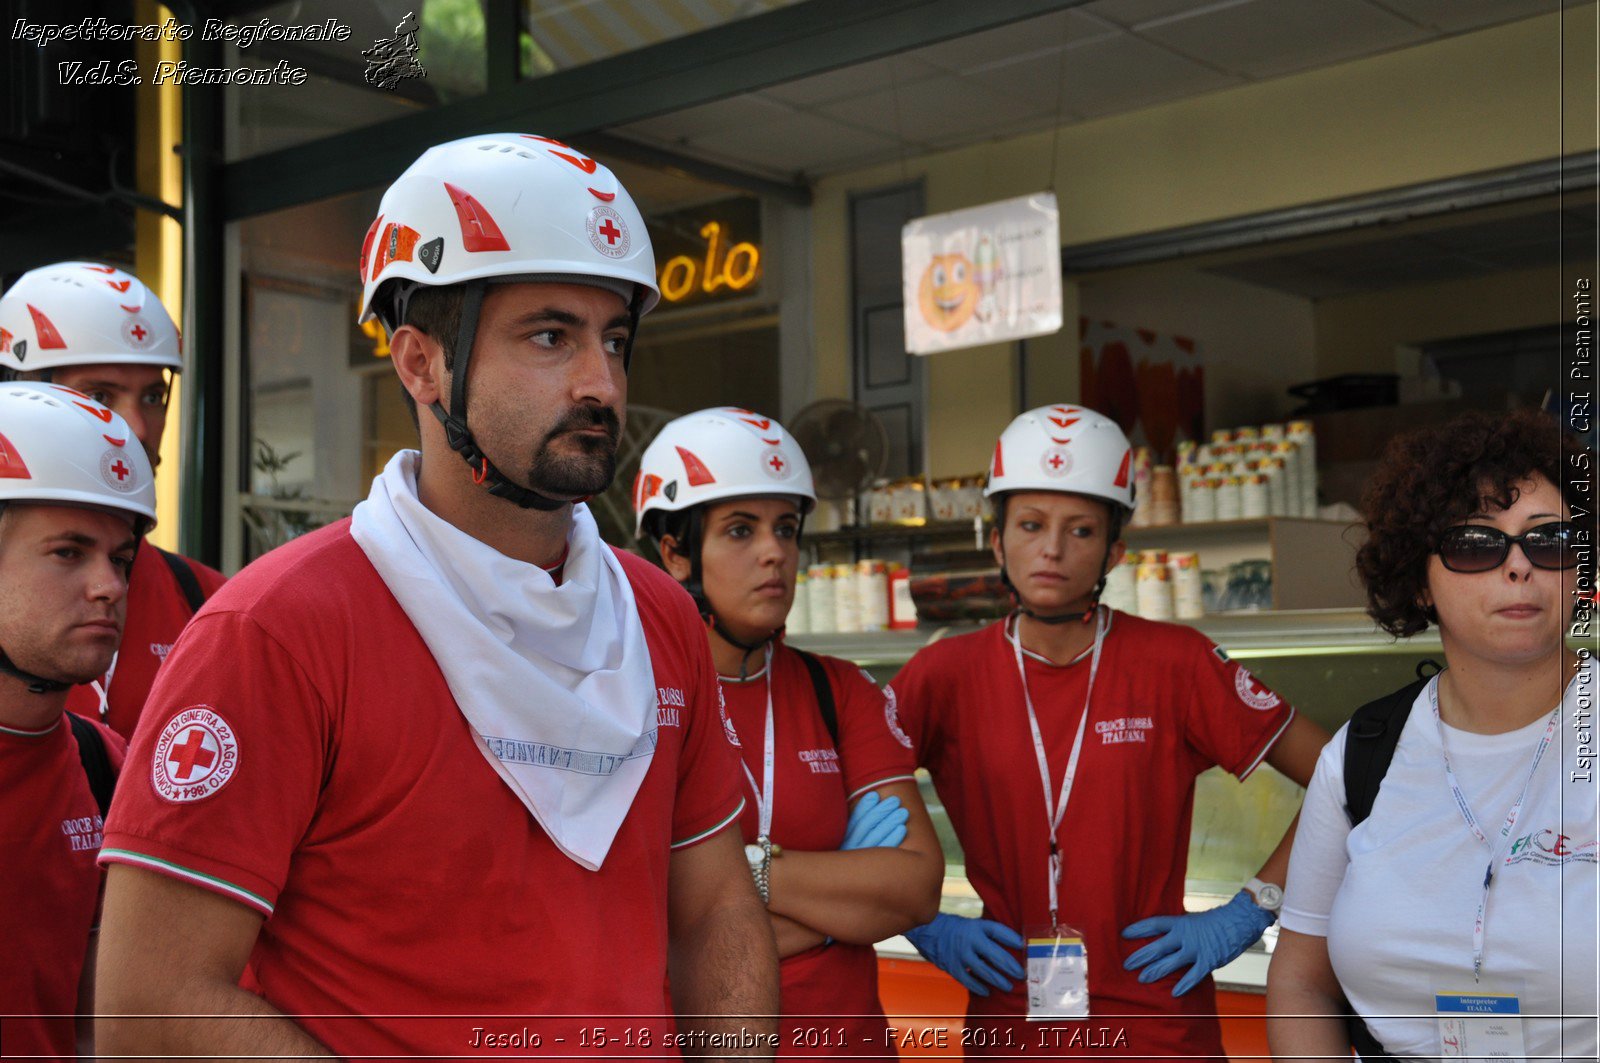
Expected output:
{"points": [[199, 878], [703, 835]]}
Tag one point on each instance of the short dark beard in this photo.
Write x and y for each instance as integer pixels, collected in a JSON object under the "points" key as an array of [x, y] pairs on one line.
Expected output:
{"points": [[587, 474]]}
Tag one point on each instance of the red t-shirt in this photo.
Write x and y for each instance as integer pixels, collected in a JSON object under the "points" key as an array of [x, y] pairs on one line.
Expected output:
{"points": [[829, 988], [50, 890], [317, 769], [157, 611], [1168, 704]]}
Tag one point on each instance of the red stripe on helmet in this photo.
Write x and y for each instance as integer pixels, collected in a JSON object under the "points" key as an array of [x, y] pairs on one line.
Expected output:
{"points": [[695, 469], [12, 467], [49, 338], [478, 229]]}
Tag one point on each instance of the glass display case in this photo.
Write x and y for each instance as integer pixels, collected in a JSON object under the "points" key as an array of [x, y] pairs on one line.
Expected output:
{"points": [[1325, 662]]}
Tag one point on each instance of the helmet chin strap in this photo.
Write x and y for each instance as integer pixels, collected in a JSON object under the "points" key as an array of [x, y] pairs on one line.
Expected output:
{"points": [[454, 421], [36, 684]]}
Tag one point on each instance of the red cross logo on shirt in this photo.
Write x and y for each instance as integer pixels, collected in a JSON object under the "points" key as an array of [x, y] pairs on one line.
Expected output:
{"points": [[139, 332], [776, 463], [190, 754], [610, 231], [121, 470]]}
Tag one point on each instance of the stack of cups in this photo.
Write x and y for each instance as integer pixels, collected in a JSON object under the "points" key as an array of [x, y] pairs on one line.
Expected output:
{"points": [[1188, 590], [1154, 586], [872, 592], [1288, 453], [1277, 486], [1301, 434], [799, 619], [1254, 495], [846, 600], [1200, 501], [1163, 495], [1228, 489], [820, 597], [1141, 487], [1120, 590]]}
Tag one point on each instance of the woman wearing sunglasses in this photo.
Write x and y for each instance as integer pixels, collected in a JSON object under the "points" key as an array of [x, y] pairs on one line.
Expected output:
{"points": [[1458, 917]]}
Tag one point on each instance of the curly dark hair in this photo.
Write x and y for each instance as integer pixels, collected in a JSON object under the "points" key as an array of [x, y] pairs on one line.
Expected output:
{"points": [[1430, 479]]}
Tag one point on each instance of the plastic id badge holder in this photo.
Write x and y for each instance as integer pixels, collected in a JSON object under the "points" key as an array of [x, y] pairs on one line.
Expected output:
{"points": [[1479, 1025], [1058, 974]]}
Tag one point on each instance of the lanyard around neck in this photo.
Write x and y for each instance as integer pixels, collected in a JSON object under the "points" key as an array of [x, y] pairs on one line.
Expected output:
{"points": [[1056, 808], [764, 791], [1472, 820]]}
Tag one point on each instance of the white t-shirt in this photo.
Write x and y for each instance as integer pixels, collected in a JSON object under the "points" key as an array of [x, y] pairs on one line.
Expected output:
{"points": [[1397, 896]]}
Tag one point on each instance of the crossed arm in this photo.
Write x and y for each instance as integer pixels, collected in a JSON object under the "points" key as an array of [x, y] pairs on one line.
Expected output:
{"points": [[722, 964], [863, 895]]}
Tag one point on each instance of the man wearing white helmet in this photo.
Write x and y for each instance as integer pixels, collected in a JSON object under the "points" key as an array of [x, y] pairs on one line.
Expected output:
{"points": [[837, 838], [75, 499], [1065, 742], [454, 758], [98, 330]]}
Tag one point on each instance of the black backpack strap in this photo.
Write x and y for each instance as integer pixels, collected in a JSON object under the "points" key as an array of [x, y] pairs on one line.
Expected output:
{"points": [[824, 689], [96, 764], [187, 581], [1369, 746], [1370, 741]]}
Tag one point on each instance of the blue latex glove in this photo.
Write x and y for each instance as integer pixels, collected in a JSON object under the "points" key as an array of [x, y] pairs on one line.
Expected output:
{"points": [[1205, 940], [876, 821], [972, 951]]}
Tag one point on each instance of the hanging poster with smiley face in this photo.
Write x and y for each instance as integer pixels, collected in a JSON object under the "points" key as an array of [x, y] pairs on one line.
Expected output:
{"points": [[982, 275]]}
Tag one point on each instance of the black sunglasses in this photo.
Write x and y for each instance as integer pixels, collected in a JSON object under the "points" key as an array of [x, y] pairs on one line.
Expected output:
{"points": [[1480, 548]]}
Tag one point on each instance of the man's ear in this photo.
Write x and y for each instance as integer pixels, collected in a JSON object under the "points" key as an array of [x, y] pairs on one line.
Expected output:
{"points": [[419, 360], [674, 559], [994, 546]]}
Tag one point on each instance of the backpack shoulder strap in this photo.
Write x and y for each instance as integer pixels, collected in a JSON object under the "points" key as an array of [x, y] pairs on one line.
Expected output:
{"points": [[96, 763], [187, 580], [1369, 747], [824, 689]]}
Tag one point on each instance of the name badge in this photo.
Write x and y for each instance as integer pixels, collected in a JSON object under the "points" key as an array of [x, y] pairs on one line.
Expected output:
{"points": [[1058, 974], [1479, 1025]]}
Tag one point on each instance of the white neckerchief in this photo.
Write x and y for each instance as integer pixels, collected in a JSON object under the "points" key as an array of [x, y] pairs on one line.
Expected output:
{"points": [[1055, 811], [555, 680], [1472, 820]]}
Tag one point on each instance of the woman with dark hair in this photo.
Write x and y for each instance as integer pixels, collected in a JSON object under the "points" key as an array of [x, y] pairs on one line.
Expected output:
{"points": [[840, 846], [1456, 916]]}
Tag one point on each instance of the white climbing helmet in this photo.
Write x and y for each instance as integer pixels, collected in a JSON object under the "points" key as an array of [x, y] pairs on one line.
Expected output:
{"points": [[84, 313], [716, 454], [508, 205], [59, 446], [1063, 448]]}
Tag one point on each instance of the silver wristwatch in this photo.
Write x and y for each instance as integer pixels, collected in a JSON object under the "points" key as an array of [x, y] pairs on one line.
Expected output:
{"points": [[759, 856], [1268, 896]]}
